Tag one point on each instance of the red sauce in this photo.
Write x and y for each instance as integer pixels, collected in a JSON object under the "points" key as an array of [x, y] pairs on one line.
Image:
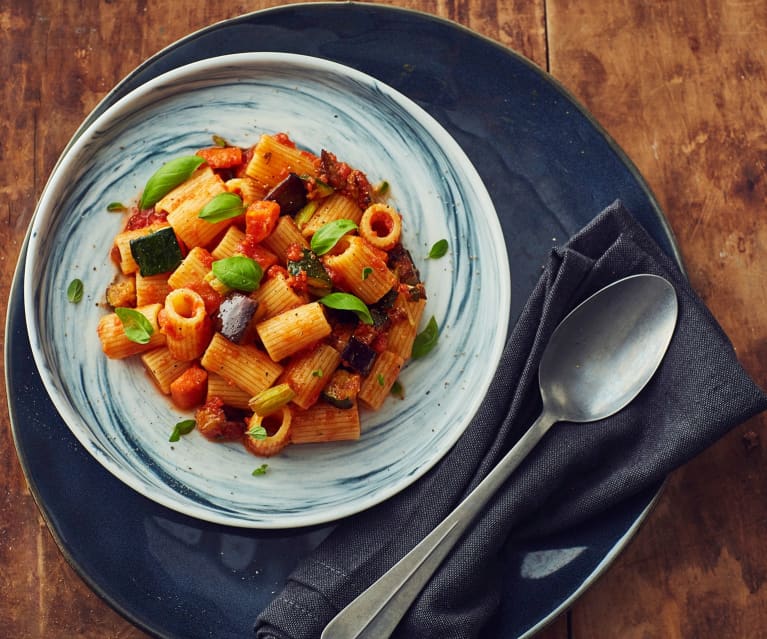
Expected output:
{"points": [[141, 218]]}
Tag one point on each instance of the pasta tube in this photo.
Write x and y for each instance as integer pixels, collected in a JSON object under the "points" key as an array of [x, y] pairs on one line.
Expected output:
{"points": [[293, 330], [186, 325]]}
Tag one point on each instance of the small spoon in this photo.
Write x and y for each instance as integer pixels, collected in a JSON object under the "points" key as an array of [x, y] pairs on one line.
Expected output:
{"points": [[597, 360]]}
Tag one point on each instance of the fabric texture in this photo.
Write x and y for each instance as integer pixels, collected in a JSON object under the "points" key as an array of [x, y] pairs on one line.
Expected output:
{"points": [[698, 394]]}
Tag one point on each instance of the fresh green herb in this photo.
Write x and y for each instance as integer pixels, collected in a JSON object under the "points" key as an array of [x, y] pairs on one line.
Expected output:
{"points": [[380, 379], [182, 428], [397, 390], [426, 340], [137, 327], [75, 291], [167, 178], [258, 432], [317, 373], [238, 272], [115, 207], [261, 470], [222, 207], [348, 302], [438, 250], [156, 253], [382, 188], [327, 236], [366, 272], [219, 141]]}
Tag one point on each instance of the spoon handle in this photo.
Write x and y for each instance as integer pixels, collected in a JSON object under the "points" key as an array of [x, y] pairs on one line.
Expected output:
{"points": [[375, 613]]}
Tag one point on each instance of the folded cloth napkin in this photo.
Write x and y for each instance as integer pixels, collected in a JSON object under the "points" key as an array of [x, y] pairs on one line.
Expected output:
{"points": [[698, 394]]}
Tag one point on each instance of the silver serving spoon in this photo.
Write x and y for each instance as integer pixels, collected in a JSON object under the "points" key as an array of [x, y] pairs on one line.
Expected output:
{"points": [[598, 359]]}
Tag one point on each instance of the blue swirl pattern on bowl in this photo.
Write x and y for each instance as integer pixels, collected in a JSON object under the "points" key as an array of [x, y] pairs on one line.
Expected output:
{"points": [[112, 407]]}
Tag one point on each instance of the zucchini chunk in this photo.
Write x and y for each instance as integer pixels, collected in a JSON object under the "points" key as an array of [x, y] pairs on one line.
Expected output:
{"points": [[156, 253], [317, 278]]}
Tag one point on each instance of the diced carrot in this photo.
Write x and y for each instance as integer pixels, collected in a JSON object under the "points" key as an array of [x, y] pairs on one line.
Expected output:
{"points": [[260, 219], [188, 390], [221, 157]]}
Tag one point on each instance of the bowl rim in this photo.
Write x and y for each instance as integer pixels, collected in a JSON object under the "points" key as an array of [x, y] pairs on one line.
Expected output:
{"points": [[46, 207]]}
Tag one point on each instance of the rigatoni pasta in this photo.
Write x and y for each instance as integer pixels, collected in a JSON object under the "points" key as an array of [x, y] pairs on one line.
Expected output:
{"points": [[267, 290]]}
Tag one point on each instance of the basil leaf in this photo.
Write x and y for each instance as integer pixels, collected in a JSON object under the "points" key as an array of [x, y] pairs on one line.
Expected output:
{"points": [[397, 390], [75, 290], [258, 432], [238, 272], [261, 470], [182, 428], [366, 272], [438, 250], [219, 141], [116, 207], [348, 302], [222, 207], [426, 340], [167, 178], [327, 236], [137, 327]]}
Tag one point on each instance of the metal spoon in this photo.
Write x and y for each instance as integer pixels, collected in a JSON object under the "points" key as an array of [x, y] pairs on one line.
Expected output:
{"points": [[598, 359]]}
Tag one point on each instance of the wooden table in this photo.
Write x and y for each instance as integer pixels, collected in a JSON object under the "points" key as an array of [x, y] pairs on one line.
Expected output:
{"points": [[681, 86]]}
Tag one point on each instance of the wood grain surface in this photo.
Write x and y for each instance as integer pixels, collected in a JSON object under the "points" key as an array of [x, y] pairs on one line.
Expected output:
{"points": [[680, 85]]}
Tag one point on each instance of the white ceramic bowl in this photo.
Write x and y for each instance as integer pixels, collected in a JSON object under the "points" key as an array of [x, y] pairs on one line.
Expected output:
{"points": [[112, 407]]}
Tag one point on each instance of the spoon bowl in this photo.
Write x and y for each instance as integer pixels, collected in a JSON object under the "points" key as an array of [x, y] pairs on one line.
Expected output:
{"points": [[597, 360], [607, 349]]}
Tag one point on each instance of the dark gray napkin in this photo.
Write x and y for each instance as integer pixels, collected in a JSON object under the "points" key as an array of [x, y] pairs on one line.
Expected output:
{"points": [[699, 393]]}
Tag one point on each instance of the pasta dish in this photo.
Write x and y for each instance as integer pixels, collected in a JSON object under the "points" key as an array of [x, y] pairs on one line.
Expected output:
{"points": [[267, 290]]}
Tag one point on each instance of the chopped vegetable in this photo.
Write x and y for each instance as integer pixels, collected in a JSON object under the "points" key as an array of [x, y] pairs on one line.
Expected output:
{"points": [[234, 315], [221, 156], [317, 278], [122, 292], [260, 219], [188, 389], [341, 391], [305, 214], [290, 194], [271, 399], [214, 424], [358, 356], [401, 262], [158, 252]]}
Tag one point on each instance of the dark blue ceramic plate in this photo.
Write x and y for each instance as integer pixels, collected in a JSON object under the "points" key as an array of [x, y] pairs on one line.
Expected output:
{"points": [[549, 169]]}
